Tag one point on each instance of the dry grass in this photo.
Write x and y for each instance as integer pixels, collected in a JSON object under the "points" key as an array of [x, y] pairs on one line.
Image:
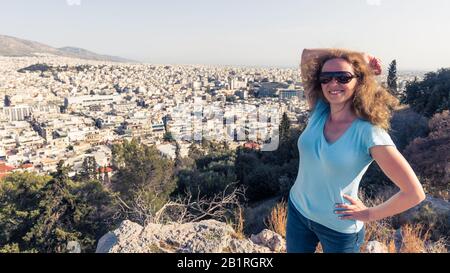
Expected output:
{"points": [[277, 219], [437, 247], [238, 224], [438, 191], [415, 238], [380, 231], [391, 247]]}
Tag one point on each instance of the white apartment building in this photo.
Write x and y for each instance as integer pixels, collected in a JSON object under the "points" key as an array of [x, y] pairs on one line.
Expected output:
{"points": [[83, 101]]}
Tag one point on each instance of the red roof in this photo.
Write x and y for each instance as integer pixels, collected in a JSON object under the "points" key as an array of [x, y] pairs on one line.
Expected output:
{"points": [[26, 166], [105, 170], [4, 168], [252, 145]]}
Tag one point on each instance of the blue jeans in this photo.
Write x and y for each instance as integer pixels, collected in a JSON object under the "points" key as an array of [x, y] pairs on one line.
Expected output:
{"points": [[303, 235]]}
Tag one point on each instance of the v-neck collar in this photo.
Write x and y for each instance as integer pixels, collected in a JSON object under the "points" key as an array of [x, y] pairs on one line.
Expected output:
{"points": [[327, 113]]}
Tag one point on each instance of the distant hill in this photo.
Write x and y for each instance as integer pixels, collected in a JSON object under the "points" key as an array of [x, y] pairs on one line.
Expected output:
{"points": [[15, 47], [86, 54]]}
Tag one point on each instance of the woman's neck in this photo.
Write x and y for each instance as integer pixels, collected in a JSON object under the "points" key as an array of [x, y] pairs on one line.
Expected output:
{"points": [[341, 112]]}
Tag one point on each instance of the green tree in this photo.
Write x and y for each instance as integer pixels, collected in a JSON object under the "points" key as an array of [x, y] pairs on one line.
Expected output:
{"points": [[56, 202], [211, 169], [196, 152], [168, 136], [431, 95], [89, 169], [392, 78], [178, 160], [141, 169], [19, 207], [285, 126], [42, 213], [267, 174]]}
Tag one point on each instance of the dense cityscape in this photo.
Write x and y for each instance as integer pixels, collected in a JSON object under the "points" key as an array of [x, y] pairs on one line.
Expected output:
{"points": [[56, 108]]}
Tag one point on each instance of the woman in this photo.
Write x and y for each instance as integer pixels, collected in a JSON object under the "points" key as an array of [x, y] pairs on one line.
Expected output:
{"points": [[346, 131]]}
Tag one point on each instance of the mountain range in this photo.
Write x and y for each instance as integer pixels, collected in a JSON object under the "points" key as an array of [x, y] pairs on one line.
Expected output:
{"points": [[15, 47]]}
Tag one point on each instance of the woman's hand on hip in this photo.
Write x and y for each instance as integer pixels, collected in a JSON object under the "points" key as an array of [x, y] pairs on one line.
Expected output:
{"points": [[354, 211]]}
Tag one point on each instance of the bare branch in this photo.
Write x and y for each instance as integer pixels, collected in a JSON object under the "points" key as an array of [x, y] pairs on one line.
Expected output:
{"points": [[183, 209]]}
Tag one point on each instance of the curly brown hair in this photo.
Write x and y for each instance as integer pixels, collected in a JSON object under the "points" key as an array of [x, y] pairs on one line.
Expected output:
{"points": [[371, 101]]}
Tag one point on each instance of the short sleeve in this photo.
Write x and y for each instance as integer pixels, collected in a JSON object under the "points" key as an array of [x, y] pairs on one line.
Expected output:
{"points": [[377, 136]]}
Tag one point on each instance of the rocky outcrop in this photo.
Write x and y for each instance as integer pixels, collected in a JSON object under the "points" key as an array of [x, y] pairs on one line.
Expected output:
{"points": [[207, 236], [430, 211], [433, 214]]}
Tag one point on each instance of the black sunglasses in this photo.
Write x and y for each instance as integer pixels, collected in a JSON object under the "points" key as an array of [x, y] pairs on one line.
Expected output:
{"points": [[342, 77]]}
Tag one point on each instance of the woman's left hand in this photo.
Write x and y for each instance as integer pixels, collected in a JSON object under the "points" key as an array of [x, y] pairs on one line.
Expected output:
{"points": [[354, 211], [374, 63]]}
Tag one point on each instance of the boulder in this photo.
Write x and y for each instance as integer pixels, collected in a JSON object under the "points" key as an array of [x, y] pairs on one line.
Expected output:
{"points": [[124, 237], [270, 239], [432, 212], [73, 247], [207, 236]]}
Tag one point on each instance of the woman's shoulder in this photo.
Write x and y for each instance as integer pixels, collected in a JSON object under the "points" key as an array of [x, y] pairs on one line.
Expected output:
{"points": [[373, 134], [368, 127], [319, 106]]}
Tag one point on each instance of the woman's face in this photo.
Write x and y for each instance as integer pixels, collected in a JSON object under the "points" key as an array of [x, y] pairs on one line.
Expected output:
{"points": [[335, 92]]}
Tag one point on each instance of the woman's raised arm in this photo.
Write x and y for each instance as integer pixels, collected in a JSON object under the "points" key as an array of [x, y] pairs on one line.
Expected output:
{"points": [[310, 53]]}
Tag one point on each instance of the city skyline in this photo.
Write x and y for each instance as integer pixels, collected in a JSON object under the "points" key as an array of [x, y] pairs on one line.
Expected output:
{"points": [[253, 33]]}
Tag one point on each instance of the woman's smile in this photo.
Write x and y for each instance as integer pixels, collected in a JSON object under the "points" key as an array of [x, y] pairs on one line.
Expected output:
{"points": [[336, 92]]}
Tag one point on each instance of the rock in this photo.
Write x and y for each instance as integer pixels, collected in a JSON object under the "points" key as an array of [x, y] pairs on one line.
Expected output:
{"points": [[73, 247], [207, 236], [122, 237], [246, 246], [432, 212], [376, 247], [270, 239], [106, 242]]}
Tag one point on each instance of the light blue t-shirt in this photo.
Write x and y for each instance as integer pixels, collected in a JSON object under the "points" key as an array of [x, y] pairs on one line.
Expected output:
{"points": [[327, 171]]}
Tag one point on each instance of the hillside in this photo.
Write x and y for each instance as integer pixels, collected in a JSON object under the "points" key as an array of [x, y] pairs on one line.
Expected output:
{"points": [[15, 47]]}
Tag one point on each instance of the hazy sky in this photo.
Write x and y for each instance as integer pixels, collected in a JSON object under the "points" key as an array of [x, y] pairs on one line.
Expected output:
{"points": [[237, 32]]}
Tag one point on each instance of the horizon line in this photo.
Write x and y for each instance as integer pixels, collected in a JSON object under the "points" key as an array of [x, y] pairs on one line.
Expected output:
{"points": [[141, 60]]}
